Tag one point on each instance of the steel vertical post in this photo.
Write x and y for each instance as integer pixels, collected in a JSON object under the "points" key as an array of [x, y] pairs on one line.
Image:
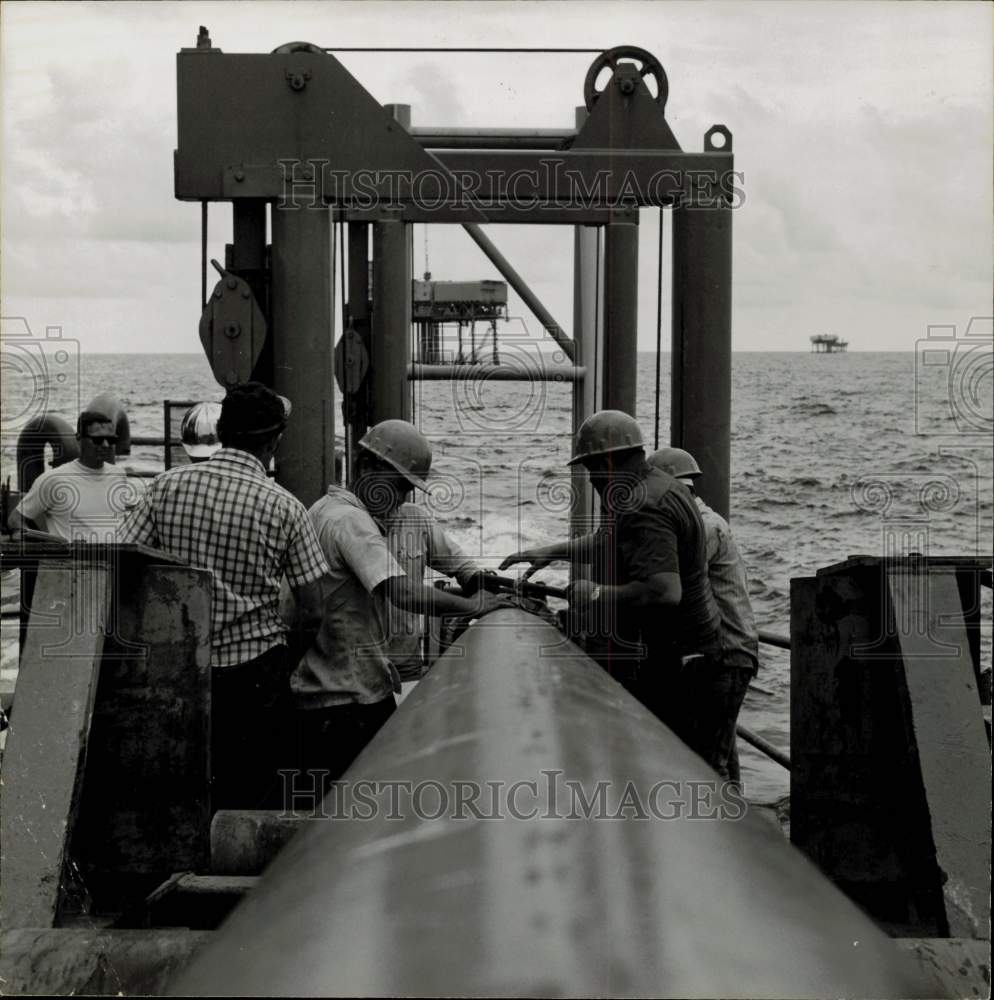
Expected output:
{"points": [[701, 394], [358, 306], [390, 335], [621, 278], [302, 332], [391, 322], [586, 349], [248, 250], [247, 259]]}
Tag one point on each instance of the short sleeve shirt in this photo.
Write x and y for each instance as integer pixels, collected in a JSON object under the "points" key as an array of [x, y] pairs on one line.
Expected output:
{"points": [[654, 527], [347, 662], [730, 586], [227, 516], [417, 541], [78, 503]]}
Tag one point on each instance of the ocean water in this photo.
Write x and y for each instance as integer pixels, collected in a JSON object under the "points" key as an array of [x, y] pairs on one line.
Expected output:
{"points": [[831, 455]]}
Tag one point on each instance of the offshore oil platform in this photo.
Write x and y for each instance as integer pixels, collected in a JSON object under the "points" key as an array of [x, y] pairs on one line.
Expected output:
{"points": [[828, 343], [117, 876]]}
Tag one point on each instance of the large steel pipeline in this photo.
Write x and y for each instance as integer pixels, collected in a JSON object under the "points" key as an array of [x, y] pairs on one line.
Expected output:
{"points": [[593, 862]]}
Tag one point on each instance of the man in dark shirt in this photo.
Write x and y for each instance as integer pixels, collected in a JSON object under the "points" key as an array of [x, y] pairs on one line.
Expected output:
{"points": [[647, 612], [721, 691]]}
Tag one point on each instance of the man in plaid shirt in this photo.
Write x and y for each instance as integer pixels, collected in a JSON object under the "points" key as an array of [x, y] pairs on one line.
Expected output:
{"points": [[227, 516]]}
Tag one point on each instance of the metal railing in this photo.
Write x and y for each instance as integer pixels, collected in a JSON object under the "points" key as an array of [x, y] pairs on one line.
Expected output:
{"points": [[754, 740]]}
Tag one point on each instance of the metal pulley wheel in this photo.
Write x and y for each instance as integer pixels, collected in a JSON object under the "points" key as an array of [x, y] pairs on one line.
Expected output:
{"points": [[291, 47], [646, 63], [232, 329]]}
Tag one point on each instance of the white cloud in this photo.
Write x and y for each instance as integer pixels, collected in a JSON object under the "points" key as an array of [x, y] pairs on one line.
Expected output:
{"points": [[863, 131]]}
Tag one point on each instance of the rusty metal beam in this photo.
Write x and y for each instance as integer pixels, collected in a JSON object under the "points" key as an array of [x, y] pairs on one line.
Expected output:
{"points": [[390, 901], [891, 767], [146, 795], [45, 755]]}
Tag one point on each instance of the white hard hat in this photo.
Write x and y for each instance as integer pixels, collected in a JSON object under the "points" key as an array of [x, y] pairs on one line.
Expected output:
{"points": [[402, 446], [198, 432]]}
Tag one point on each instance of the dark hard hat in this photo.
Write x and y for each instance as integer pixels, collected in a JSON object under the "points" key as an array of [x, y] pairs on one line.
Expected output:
{"points": [[253, 409], [606, 431], [677, 462]]}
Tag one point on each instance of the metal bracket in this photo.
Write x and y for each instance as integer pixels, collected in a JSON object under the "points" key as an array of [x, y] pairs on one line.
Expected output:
{"points": [[298, 80]]}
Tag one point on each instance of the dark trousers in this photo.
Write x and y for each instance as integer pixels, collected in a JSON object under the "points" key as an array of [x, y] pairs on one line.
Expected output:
{"points": [[330, 739], [717, 690], [700, 702], [250, 711]]}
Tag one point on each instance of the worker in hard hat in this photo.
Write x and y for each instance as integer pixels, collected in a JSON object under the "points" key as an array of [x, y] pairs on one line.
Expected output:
{"points": [[720, 692], [198, 431], [344, 685], [647, 612]]}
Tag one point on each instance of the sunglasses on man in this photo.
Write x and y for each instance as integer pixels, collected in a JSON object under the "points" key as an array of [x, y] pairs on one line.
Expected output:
{"points": [[102, 439]]}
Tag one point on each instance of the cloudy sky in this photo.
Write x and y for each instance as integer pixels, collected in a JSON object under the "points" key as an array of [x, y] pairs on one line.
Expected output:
{"points": [[863, 131]]}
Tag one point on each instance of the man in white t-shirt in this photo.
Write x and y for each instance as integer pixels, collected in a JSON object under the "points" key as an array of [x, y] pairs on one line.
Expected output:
{"points": [[83, 500]]}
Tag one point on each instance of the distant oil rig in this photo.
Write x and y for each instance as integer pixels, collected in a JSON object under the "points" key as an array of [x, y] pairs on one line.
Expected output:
{"points": [[828, 343]]}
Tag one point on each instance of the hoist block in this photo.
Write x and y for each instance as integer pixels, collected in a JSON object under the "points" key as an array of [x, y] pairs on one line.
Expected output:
{"points": [[351, 361], [232, 330]]}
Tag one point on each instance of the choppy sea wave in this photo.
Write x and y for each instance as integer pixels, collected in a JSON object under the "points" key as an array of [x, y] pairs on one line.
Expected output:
{"points": [[827, 452]]}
